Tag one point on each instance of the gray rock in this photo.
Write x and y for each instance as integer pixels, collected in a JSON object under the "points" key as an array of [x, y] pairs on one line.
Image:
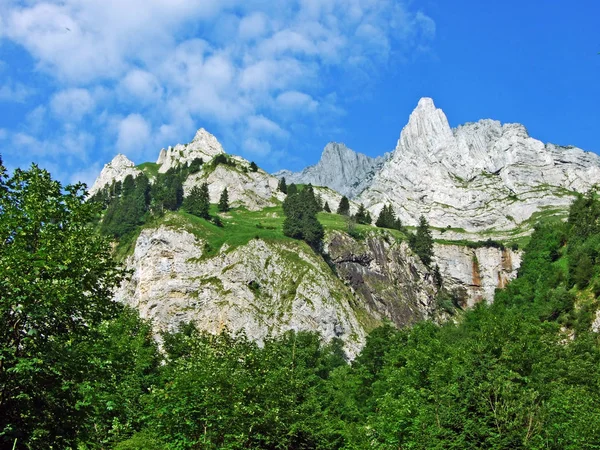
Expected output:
{"points": [[339, 168], [116, 170], [479, 176]]}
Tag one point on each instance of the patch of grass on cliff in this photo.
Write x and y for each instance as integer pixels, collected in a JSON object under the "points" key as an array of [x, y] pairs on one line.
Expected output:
{"points": [[240, 226], [149, 168]]}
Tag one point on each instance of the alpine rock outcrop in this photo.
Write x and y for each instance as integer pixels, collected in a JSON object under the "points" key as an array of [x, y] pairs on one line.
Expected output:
{"points": [[479, 176], [116, 170], [340, 169]]}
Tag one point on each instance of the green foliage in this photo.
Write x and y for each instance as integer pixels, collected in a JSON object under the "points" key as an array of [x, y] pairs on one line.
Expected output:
{"points": [[56, 286], [226, 392], [167, 192], [253, 167], [125, 213], [222, 158], [387, 219], [421, 242], [344, 207], [292, 189], [282, 186], [326, 208], [301, 218], [224, 201], [198, 201], [195, 165], [362, 216]]}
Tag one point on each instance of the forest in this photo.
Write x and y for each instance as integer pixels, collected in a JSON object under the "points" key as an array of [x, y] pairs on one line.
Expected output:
{"points": [[79, 371]]}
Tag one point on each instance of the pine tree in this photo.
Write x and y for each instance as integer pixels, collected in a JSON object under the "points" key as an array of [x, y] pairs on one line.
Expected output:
{"points": [[195, 165], [387, 218], [198, 201], [362, 216], [301, 218], [224, 201], [292, 189], [326, 208], [253, 167], [344, 207], [422, 243], [282, 186]]}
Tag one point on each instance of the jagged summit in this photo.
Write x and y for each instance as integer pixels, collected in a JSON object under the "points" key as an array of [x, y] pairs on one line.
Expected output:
{"points": [[339, 168], [427, 130], [116, 170], [204, 145], [482, 175]]}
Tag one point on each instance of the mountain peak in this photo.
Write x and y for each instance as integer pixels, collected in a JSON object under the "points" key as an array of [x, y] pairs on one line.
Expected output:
{"points": [[427, 129], [426, 103], [204, 145], [121, 161], [116, 170]]}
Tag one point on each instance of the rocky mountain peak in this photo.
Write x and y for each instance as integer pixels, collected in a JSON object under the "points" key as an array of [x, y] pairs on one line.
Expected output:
{"points": [[204, 145], [427, 131], [339, 168], [116, 170]]}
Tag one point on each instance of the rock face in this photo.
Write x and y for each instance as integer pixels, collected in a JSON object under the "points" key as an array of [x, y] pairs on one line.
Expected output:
{"points": [[339, 168], [266, 288], [116, 170], [474, 274], [390, 281], [261, 288], [482, 175], [204, 145], [253, 190]]}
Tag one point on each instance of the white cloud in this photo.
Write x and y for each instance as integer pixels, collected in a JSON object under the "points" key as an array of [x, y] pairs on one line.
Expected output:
{"points": [[133, 135], [156, 69], [253, 26], [3, 134], [14, 92], [72, 104], [261, 125], [141, 86], [297, 101], [256, 147]]}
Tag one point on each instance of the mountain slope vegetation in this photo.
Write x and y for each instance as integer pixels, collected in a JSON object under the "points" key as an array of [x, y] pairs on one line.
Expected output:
{"points": [[79, 371]]}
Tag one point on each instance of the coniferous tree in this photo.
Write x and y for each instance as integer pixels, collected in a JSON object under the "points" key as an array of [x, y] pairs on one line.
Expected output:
{"points": [[326, 208], [282, 186], [224, 201], [253, 167], [362, 216], [301, 221], [195, 165], [422, 243], [344, 207], [292, 189], [198, 201]]}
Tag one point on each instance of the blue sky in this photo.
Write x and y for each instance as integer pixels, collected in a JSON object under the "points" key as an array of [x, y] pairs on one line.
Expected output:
{"points": [[82, 80]]}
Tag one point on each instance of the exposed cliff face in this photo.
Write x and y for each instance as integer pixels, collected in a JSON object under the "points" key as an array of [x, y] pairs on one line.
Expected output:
{"points": [[261, 288], [479, 176], [475, 274], [390, 281], [116, 170], [253, 190], [269, 287], [339, 168]]}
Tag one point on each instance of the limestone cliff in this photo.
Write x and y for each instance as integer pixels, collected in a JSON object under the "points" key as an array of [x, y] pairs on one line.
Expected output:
{"points": [[480, 176], [340, 169], [116, 170], [204, 145]]}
